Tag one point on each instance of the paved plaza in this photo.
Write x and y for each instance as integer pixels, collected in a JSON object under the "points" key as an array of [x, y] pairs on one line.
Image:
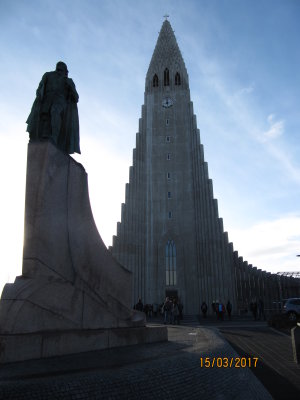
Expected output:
{"points": [[177, 369]]}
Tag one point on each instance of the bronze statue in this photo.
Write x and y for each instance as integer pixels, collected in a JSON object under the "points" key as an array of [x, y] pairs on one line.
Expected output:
{"points": [[54, 113]]}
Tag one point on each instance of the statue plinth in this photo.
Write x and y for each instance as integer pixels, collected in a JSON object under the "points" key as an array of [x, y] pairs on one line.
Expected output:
{"points": [[71, 289]]}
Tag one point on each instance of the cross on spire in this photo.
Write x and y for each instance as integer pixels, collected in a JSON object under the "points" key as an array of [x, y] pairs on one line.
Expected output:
{"points": [[166, 16]]}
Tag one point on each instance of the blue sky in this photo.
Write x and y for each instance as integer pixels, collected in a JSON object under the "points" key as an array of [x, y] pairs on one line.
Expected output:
{"points": [[243, 62]]}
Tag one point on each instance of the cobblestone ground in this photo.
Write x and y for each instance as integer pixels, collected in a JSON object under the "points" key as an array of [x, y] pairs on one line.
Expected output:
{"points": [[169, 370]]}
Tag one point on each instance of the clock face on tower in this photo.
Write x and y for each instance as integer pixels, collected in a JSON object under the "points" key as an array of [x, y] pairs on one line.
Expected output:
{"points": [[167, 102]]}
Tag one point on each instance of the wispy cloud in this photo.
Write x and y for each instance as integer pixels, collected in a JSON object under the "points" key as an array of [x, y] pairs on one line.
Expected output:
{"points": [[270, 245], [279, 150], [276, 129], [246, 90], [245, 118], [292, 171]]}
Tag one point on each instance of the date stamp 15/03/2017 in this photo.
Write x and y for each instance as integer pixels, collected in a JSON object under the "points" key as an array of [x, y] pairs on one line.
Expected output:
{"points": [[228, 362]]}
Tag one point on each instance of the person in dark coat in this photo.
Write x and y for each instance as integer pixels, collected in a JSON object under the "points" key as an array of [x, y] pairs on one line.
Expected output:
{"points": [[167, 310], [180, 309], [253, 308], [229, 309], [139, 305], [204, 309], [175, 313]]}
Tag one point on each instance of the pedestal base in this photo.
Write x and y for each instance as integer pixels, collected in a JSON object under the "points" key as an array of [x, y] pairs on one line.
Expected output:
{"points": [[20, 347]]}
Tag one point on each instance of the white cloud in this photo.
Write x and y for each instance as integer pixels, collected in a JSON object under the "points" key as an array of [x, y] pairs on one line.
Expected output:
{"points": [[271, 245], [279, 151], [246, 119], [275, 130]]}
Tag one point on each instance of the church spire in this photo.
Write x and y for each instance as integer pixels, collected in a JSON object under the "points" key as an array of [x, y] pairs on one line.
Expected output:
{"points": [[166, 56]]}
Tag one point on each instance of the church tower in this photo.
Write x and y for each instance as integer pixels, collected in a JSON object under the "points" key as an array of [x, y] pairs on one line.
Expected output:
{"points": [[170, 235]]}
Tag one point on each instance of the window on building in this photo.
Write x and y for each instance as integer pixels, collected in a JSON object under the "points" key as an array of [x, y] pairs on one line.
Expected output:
{"points": [[171, 278], [167, 121], [168, 139], [170, 214], [169, 156], [177, 79], [168, 175], [166, 77], [155, 81], [169, 195]]}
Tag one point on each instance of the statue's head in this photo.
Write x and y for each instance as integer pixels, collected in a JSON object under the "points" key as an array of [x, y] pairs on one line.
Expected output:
{"points": [[62, 68]]}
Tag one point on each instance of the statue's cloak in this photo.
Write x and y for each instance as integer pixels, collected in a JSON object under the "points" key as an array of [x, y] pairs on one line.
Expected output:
{"points": [[69, 140]]}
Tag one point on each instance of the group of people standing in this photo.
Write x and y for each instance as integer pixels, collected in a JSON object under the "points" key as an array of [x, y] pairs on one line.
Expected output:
{"points": [[148, 309], [218, 308], [170, 309]]}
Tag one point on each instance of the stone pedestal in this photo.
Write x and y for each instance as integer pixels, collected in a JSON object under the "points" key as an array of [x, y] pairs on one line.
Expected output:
{"points": [[70, 286]]}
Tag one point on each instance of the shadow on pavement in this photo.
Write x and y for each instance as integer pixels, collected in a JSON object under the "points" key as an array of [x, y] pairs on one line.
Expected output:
{"points": [[278, 386]]}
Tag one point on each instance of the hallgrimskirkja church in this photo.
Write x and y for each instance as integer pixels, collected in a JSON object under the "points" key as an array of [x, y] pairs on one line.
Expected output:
{"points": [[170, 235]]}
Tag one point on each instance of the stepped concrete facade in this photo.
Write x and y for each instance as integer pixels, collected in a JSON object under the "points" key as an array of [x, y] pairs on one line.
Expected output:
{"points": [[72, 296], [170, 235]]}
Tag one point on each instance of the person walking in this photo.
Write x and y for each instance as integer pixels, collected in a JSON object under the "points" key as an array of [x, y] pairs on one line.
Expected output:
{"points": [[229, 309], [204, 309], [221, 311], [175, 313], [253, 308], [180, 309], [167, 310]]}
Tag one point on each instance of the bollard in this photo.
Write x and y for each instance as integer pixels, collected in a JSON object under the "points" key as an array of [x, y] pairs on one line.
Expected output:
{"points": [[295, 334]]}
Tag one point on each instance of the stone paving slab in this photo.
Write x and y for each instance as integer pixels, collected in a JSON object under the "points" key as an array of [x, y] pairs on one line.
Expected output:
{"points": [[161, 371]]}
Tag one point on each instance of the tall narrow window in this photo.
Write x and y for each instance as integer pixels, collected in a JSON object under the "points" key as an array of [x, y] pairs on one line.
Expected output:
{"points": [[168, 175], [169, 195], [168, 156], [166, 77], [177, 79], [167, 121], [171, 278], [168, 139], [155, 81]]}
